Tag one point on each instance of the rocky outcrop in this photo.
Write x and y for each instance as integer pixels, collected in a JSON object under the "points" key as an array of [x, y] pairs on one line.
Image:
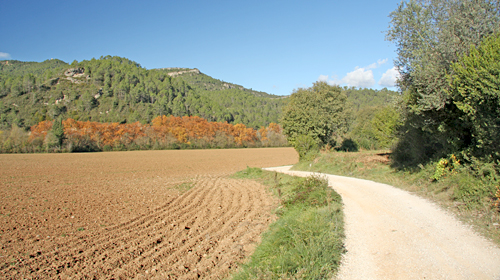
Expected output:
{"points": [[73, 73], [174, 74]]}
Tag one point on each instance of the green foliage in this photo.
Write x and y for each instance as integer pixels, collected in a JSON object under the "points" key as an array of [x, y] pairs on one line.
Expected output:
{"points": [[474, 195], [313, 191], [318, 112], [475, 90], [469, 190], [348, 145], [384, 124], [375, 127], [115, 89], [360, 98], [306, 146], [430, 36], [445, 167], [496, 201], [14, 141], [307, 240], [58, 131]]}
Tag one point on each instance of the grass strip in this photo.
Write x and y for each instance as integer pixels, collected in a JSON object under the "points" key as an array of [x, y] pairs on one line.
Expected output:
{"points": [[306, 242]]}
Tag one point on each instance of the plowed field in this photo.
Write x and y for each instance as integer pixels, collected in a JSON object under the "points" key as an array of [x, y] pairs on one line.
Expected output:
{"points": [[121, 215]]}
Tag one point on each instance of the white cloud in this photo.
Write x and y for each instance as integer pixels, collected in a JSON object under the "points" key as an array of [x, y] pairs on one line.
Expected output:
{"points": [[360, 77], [389, 77], [323, 78], [376, 64], [382, 61], [329, 80], [4, 55]]}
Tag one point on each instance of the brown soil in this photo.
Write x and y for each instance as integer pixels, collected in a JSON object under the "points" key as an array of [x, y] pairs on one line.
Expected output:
{"points": [[145, 215]]}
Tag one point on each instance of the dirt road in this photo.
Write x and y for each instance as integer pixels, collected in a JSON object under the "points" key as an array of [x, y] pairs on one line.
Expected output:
{"points": [[392, 234]]}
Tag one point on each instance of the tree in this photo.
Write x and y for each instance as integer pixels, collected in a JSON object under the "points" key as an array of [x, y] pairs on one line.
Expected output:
{"points": [[375, 127], [430, 36], [318, 111], [384, 124], [475, 90], [58, 131]]}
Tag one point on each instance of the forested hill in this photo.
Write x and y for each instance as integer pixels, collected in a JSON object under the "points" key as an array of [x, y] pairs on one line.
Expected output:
{"points": [[363, 98], [206, 83], [115, 89]]}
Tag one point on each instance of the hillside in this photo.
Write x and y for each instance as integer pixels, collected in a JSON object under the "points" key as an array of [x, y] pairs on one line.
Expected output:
{"points": [[115, 89], [242, 105]]}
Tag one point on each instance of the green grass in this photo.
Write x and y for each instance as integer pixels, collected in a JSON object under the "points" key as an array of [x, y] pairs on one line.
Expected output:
{"points": [[467, 191], [184, 187], [306, 242]]}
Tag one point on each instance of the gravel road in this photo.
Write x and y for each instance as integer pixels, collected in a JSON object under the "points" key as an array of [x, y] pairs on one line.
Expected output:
{"points": [[392, 234]]}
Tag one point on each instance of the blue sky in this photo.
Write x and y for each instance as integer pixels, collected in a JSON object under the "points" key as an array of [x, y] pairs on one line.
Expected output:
{"points": [[270, 46]]}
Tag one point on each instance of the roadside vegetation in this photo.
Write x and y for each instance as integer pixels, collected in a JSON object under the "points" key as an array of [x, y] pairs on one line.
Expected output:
{"points": [[306, 242], [441, 133], [470, 191]]}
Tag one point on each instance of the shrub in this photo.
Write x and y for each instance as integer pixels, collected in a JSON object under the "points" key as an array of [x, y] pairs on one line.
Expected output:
{"points": [[348, 145], [306, 147]]}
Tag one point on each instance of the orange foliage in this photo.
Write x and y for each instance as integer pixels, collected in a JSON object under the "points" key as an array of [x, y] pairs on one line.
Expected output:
{"points": [[264, 131], [41, 129], [186, 129], [183, 129], [103, 133]]}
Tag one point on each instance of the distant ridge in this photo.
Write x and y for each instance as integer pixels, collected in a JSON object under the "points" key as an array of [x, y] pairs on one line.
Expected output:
{"points": [[116, 89]]}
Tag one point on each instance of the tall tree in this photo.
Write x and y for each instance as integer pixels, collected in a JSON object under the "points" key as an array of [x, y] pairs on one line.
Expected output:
{"points": [[430, 35], [318, 112], [475, 90]]}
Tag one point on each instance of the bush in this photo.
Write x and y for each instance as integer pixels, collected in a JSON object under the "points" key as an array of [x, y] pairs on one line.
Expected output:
{"points": [[348, 145], [306, 147], [475, 91]]}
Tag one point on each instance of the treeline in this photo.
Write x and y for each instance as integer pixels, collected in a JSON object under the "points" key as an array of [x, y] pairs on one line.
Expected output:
{"points": [[373, 119], [115, 89], [163, 133]]}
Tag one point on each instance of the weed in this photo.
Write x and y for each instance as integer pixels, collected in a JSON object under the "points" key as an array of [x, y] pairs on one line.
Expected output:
{"points": [[80, 229], [496, 202], [446, 166], [184, 187]]}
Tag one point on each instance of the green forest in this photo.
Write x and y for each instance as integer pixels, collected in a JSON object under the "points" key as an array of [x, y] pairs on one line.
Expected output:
{"points": [[113, 89]]}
